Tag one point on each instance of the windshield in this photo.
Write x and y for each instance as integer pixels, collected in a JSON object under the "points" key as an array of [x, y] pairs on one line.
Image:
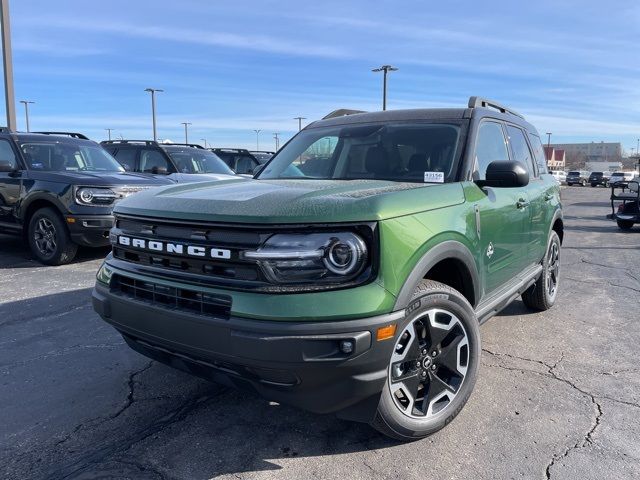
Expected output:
{"points": [[195, 160], [418, 152], [596, 174], [573, 173], [59, 156]]}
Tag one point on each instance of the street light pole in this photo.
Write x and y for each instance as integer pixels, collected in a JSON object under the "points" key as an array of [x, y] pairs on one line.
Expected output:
{"points": [[153, 109], [299, 121], [257, 139], [7, 63], [26, 112], [205, 142], [386, 69], [275, 135], [109, 132], [186, 133]]}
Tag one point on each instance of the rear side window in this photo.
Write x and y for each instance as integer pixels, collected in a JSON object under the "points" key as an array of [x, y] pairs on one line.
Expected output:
{"points": [[520, 148], [490, 147], [538, 153], [6, 154], [125, 157]]}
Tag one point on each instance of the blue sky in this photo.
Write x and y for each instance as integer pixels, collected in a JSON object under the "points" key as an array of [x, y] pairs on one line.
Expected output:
{"points": [[572, 67]]}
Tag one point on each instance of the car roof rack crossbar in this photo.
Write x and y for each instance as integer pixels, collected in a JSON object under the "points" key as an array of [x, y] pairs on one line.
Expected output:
{"points": [[79, 136], [475, 102], [193, 145], [146, 142], [341, 112]]}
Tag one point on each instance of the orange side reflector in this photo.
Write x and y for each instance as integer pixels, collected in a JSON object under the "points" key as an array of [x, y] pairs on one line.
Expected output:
{"points": [[385, 333], [71, 220]]}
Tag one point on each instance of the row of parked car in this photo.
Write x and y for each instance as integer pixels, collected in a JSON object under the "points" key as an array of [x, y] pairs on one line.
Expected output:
{"points": [[58, 189], [584, 178]]}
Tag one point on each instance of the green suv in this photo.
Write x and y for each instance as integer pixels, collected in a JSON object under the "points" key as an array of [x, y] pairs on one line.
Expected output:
{"points": [[352, 273]]}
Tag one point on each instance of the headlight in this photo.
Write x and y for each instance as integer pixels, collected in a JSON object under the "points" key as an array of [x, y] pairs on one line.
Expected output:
{"points": [[315, 258], [95, 196]]}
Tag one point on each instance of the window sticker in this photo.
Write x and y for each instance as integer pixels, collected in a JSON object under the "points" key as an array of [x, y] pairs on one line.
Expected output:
{"points": [[434, 177]]}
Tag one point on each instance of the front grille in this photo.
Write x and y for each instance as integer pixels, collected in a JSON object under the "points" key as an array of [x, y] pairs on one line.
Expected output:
{"points": [[172, 298]]}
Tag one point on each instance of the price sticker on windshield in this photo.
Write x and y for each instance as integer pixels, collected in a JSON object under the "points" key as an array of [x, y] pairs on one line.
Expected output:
{"points": [[434, 177]]}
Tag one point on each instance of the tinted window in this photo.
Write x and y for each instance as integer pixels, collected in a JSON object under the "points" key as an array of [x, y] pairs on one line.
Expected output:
{"points": [[127, 158], [490, 147], [67, 156], [538, 152], [520, 148], [573, 173], [394, 152], [7, 155], [197, 160], [152, 161]]}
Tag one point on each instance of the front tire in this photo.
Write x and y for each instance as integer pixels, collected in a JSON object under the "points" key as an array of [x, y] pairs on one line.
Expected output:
{"points": [[49, 238], [542, 294], [434, 365]]}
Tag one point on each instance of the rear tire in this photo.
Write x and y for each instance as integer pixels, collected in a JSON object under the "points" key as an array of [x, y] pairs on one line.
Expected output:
{"points": [[569, 184], [423, 391], [624, 224], [49, 238], [542, 294]]}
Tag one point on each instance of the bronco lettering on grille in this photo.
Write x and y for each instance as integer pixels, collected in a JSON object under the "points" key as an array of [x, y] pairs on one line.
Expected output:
{"points": [[177, 248]]}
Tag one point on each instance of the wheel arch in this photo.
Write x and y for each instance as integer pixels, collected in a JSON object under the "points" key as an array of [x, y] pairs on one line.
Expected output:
{"points": [[449, 262], [557, 225], [33, 205]]}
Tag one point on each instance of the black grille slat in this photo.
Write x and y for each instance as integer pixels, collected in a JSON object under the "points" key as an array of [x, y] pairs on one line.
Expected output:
{"points": [[175, 298]]}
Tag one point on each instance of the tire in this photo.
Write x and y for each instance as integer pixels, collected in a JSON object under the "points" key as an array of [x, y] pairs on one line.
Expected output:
{"points": [[569, 184], [458, 341], [624, 224], [49, 238], [594, 185], [543, 293]]}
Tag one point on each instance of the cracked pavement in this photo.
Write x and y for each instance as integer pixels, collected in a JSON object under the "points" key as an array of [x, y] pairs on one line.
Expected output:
{"points": [[558, 395]]}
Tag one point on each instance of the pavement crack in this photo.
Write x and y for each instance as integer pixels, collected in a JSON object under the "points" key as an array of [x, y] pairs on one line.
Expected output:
{"points": [[130, 395]]}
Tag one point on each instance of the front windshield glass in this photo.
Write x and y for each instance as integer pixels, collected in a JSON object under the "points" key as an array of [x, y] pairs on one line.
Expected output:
{"points": [[416, 152], [195, 160], [56, 156]]}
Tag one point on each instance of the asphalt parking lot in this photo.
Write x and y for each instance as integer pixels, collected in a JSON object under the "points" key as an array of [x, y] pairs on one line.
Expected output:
{"points": [[558, 394]]}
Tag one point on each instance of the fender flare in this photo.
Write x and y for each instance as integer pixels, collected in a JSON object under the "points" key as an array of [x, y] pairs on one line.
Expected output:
{"points": [[557, 215], [449, 249], [26, 203]]}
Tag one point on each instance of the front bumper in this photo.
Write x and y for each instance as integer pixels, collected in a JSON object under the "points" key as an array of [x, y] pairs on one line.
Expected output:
{"points": [[297, 363], [90, 230]]}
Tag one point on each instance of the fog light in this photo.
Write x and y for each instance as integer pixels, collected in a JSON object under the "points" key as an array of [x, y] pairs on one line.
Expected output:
{"points": [[346, 346]]}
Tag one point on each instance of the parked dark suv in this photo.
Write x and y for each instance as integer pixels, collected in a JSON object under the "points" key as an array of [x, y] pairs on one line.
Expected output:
{"points": [[578, 177], [599, 178], [178, 162], [239, 160], [59, 189]]}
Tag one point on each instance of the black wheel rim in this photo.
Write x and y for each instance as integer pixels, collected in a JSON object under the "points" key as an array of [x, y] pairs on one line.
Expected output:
{"points": [[429, 364], [44, 237], [553, 269]]}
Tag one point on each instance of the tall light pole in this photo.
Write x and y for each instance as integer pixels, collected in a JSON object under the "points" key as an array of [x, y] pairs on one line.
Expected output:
{"points": [[275, 135], [26, 111], [299, 121], [386, 69], [205, 142], [109, 132], [186, 132], [257, 139], [153, 91], [7, 63], [548, 134], [638, 146]]}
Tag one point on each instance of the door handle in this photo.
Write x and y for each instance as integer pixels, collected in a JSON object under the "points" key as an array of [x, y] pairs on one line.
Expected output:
{"points": [[522, 203], [547, 197]]}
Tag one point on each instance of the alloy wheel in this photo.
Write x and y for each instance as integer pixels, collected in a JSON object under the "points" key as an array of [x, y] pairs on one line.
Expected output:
{"points": [[553, 266], [429, 364], [44, 237]]}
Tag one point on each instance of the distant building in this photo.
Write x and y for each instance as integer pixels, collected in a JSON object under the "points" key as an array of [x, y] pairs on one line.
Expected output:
{"points": [[556, 158], [593, 151], [604, 166]]}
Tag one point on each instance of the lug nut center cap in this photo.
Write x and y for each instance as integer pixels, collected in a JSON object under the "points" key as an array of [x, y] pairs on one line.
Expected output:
{"points": [[426, 362]]}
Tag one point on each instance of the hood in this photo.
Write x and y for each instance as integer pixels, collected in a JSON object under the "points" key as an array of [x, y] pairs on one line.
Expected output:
{"points": [[291, 201], [99, 179], [201, 177]]}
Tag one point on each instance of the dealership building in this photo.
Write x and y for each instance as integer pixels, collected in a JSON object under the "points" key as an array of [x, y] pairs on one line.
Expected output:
{"points": [[593, 151]]}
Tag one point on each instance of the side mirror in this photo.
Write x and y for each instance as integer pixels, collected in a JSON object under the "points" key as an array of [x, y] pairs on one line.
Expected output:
{"points": [[506, 175], [159, 170], [7, 167], [258, 168]]}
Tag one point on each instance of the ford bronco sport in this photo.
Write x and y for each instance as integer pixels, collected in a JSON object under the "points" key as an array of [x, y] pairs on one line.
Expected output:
{"points": [[352, 274], [57, 190]]}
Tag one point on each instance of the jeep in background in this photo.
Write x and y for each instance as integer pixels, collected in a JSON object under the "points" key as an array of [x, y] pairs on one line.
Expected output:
{"points": [[353, 273], [578, 177], [239, 160], [178, 162], [58, 191]]}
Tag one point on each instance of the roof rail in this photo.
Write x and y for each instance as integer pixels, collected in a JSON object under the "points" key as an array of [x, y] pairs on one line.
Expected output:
{"points": [[146, 142], [79, 136], [193, 145], [341, 112], [261, 151], [237, 150], [475, 102]]}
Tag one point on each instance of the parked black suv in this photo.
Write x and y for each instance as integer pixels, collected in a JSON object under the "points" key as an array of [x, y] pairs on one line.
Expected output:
{"points": [[599, 178], [179, 162], [239, 160], [58, 190]]}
